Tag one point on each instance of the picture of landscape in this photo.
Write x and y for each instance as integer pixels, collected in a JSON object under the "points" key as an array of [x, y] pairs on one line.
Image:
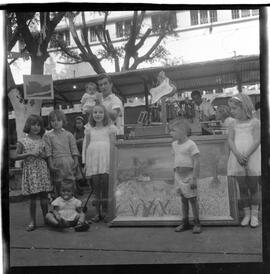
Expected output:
{"points": [[38, 87], [145, 189]]}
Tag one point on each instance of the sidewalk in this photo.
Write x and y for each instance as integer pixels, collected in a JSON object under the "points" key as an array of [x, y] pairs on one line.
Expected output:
{"points": [[127, 245]]}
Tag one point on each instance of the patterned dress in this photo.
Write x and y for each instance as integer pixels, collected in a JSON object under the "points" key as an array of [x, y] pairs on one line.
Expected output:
{"points": [[35, 177]]}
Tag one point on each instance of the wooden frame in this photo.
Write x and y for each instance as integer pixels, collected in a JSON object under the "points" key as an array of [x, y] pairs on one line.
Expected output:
{"points": [[37, 86], [145, 167]]}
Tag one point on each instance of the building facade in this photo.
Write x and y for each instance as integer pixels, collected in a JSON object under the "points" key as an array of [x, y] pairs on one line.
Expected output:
{"points": [[201, 35]]}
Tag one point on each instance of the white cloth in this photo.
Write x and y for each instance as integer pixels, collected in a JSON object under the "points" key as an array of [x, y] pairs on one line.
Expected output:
{"points": [[67, 208], [98, 151], [112, 102], [88, 101], [183, 153], [204, 109], [243, 139]]}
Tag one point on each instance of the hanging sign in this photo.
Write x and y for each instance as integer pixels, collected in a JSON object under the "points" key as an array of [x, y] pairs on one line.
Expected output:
{"points": [[163, 89]]}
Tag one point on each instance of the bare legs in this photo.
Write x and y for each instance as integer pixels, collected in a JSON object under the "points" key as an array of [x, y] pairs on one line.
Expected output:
{"points": [[248, 187], [185, 209], [100, 185], [33, 205]]}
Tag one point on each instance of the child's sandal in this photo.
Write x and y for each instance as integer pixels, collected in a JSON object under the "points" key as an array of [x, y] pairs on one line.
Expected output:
{"points": [[96, 219], [30, 227], [80, 227]]}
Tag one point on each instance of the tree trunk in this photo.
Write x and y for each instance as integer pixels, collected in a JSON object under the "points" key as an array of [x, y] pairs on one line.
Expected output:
{"points": [[37, 64], [23, 109]]}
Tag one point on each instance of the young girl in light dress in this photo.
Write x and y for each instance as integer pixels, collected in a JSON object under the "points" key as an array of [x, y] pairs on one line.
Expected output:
{"points": [[245, 155], [35, 175], [61, 150], [98, 138]]}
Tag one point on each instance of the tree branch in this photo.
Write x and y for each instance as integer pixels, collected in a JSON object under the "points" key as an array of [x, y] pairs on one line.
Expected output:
{"points": [[85, 34], [145, 36], [68, 52], [146, 56], [28, 38], [69, 63], [75, 35]]}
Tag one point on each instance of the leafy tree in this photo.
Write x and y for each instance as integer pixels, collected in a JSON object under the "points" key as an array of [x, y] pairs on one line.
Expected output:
{"points": [[128, 52], [34, 29]]}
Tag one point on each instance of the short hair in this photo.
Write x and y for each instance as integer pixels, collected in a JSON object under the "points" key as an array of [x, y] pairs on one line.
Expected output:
{"points": [[106, 116], [245, 102], [104, 76], [34, 119], [59, 115], [195, 92], [67, 183], [93, 84], [180, 123]]}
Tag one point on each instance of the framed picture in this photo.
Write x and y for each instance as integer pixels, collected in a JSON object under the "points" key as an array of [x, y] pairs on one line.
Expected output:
{"points": [[142, 117], [38, 86], [142, 190]]}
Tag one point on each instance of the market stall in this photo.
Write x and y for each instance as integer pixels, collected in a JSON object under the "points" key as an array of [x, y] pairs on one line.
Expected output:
{"points": [[141, 176]]}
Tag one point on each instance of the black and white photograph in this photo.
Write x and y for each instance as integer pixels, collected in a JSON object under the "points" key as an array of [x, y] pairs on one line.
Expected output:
{"points": [[136, 135]]}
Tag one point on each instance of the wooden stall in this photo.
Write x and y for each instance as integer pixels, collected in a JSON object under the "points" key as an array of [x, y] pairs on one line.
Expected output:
{"points": [[141, 176]]}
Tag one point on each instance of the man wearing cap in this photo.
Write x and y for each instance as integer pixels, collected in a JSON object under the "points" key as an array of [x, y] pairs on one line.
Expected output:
{"points": [[112, 103]]}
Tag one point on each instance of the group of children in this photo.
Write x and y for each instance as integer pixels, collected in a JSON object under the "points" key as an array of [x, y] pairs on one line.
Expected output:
{"points": [[52, 159]]}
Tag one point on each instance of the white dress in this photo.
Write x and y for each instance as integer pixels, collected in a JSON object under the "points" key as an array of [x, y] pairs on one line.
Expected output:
{"points": [[243, 140], [98, 151]]}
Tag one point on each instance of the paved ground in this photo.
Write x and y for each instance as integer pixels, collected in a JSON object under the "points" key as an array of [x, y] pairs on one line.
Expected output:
{"points": [[127, 245]]}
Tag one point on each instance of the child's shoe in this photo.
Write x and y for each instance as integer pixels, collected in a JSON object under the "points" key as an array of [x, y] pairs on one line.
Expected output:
{"points": [[184, 226], [197, 227], [80, 227], [96, 219], [246, 219], [254, 221]]}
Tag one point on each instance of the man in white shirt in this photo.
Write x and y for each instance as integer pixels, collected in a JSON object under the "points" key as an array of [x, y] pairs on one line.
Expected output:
{"points": [[111, 102], [204, 111]]}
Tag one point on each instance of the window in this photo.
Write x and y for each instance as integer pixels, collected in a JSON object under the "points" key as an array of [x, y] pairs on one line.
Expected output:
{"points": [[213, 16], [244, 13], [235, 14], [60, 35], [255, 12], [160, 21], [194, 18], [93, 36], [123, 28], [202, 17]]}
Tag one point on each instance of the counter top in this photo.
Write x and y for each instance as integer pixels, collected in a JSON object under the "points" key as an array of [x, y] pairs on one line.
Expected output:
{"points": [[167, 139]]}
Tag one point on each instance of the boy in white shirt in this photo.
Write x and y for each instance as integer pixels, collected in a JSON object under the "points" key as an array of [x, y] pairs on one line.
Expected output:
{"points": [[186, 167]]}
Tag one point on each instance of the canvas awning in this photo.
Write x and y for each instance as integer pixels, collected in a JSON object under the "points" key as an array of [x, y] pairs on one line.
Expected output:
{"points": [[203, 76]]}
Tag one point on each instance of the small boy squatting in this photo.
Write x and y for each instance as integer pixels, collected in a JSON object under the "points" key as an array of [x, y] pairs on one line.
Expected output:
{"points": [[186, 167]]}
